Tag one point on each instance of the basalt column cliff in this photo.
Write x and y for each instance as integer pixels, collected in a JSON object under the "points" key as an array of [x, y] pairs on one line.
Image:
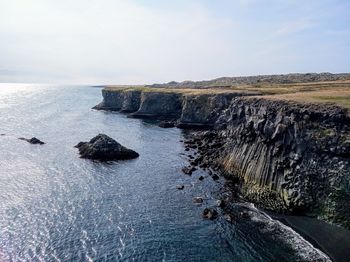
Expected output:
{"points": [[284, 156]]}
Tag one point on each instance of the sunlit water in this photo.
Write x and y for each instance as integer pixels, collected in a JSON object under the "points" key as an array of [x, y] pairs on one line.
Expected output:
{"points": [[55, 206]]}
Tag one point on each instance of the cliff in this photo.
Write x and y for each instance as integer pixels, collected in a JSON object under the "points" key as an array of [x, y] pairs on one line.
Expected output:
{"points": [[284, 156], [287, 157], [190, 109], [159, 105]]}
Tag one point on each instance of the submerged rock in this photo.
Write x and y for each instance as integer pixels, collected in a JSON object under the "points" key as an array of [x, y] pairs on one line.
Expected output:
{"points": [[32, 140], [180, 187], [229, 218], [104, 148], [210, 213], [244, 214], [197, 200], [220, 203], [188, 170], [215, 177]]}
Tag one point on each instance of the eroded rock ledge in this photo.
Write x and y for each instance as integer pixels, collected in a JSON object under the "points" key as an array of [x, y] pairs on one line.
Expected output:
{"points": [[286, 157]]}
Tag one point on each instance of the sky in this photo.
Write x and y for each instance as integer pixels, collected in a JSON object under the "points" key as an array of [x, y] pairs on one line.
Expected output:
{"points": [[155, 41]]}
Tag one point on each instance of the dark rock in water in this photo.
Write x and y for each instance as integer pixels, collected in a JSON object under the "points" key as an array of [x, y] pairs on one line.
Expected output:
{"points": [[80, 144], [180, 187], [104, 148], [203, 165], [229, 218], [32, 140], [215, 177], [220, 203], [201, 178], [188, 170], [166, 124], [197, 200], [210, 213], [244, 214], [193, 163]]}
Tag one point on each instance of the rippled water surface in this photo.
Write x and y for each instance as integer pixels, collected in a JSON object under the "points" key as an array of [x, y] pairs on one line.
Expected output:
{"points": [[55, 206]]}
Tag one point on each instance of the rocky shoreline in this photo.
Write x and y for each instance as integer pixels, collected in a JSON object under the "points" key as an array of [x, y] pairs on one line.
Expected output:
{"points": [[283, 156]]}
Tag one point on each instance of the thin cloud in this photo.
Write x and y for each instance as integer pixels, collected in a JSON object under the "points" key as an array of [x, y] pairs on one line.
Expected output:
{"points": [[293, 27], [119, 41]]}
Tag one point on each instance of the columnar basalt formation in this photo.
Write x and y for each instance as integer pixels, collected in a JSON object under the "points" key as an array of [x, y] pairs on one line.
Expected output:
{"points": [[288, 157], [285, 156]]}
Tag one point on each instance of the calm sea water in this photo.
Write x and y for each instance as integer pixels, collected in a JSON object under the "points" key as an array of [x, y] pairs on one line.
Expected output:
{"points": [[55, 206]]}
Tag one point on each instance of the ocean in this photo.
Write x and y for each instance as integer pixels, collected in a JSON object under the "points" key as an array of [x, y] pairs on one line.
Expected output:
{"points": [[55, 206]]}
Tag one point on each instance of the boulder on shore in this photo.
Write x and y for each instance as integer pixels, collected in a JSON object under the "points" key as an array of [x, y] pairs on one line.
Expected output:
{"points": [[32, 140], [104, 148]]}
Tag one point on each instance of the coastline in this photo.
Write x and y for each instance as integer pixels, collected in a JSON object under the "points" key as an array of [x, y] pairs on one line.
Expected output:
{"points": [[257, 143], [330, 239]]}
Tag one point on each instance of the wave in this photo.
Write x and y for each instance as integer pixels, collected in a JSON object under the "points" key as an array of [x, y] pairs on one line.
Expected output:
{"points": [[304, 249]]}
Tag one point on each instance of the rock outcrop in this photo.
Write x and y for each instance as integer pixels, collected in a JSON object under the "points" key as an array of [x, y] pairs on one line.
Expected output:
{"points": [[32, 140], [210, 213], [112, 101], [104, 148]]}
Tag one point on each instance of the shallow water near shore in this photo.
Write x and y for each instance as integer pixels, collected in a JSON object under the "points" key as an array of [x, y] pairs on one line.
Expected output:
{"points": [[55, 206]]}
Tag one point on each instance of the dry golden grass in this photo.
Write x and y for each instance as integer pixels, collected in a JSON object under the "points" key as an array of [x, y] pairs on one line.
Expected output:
{"points": [[338, 97], [185, 91], [331, 92]]}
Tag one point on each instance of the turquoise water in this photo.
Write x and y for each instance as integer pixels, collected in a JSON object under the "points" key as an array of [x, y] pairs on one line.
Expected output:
{"points": [[55, 206]]}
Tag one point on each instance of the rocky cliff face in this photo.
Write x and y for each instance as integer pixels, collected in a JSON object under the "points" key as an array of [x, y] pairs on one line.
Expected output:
{"points": [[161, 105], [189, 110], [286, 157], [111, 100], [131, 101], [203, 110]]}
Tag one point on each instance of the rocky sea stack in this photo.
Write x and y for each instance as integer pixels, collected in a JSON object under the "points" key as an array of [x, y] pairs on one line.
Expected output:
{"points": [[104, 148]]}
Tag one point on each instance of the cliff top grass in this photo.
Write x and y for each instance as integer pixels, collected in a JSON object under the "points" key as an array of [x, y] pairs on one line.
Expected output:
{"points": [[326, 92], [336, 97], [184, 91]]}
